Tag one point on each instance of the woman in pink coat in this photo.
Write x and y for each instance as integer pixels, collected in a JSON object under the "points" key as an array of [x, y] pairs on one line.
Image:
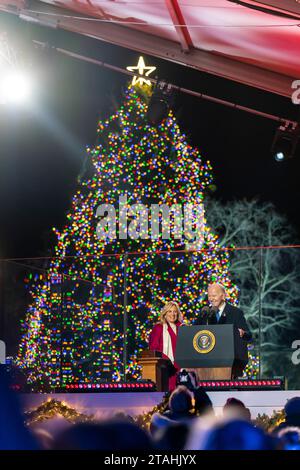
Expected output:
{"points": [[163, 337]]}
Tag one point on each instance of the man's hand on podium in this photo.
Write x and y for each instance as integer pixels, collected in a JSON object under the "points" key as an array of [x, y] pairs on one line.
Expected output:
{"points": [[242, 332]]}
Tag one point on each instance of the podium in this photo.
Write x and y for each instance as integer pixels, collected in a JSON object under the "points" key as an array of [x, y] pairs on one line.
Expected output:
{"points": [[214, 352], [155, 368]]}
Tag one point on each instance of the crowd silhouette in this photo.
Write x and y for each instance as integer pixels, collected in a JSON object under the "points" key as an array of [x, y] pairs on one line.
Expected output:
{"points": [[188, 423]]}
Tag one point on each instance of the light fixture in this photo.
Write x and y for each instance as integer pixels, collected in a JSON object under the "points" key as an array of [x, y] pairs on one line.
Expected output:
{"points": [[14, 82], [160, 103], [277, 383], [110, 387], [285, 141], [14, 87]]}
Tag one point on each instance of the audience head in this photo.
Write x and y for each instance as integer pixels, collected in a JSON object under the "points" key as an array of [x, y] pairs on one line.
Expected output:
{"points": [[104, 436], [292, 408], [181, 400], [236, 408], [121, 416], [238, 435], [290, 438], [158, 422], [172, 436]]}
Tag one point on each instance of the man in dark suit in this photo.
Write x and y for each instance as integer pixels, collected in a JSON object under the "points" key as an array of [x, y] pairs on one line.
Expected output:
{"points": [[224, 313]]}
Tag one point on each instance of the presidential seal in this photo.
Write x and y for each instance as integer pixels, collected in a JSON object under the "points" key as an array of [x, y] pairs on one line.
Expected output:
{"points": [[204, 341]]}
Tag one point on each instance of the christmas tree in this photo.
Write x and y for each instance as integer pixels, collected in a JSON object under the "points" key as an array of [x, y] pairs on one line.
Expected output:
{"points": [[112, 272]]}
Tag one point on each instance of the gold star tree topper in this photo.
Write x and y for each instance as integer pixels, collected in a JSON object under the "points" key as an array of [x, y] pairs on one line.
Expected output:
{"points": [[143, 70]]}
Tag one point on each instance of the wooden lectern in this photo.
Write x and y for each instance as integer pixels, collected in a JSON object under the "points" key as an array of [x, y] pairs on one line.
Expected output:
{"points": [[213, 352], [155, 368]]}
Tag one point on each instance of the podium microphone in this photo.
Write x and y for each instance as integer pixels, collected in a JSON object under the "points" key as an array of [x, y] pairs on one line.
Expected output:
{"points": [[205, 311], [213, 311], [210, 312]]}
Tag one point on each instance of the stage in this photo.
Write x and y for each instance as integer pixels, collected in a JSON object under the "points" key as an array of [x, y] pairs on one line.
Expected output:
{"points": [[105, 405]]}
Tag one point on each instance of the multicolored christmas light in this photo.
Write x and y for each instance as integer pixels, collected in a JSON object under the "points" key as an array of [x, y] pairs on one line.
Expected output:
{"points": [[74, 328]]}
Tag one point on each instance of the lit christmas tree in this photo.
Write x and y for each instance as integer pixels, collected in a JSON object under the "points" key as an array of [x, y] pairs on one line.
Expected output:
{"points": [[106, 285]]}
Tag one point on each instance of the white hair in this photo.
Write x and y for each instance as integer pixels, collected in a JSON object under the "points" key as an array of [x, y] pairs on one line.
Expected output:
{"points": [[217, 284]]}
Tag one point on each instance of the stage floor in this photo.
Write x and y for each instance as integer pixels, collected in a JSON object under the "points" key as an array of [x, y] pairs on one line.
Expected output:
{"points": [[105, 405]]}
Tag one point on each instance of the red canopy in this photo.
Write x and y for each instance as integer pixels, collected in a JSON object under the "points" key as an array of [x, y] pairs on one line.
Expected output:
{"points": [[255, 43]]}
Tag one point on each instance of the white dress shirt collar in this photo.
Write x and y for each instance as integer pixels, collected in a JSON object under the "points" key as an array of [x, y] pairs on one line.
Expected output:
{"points": [[221, 309]]}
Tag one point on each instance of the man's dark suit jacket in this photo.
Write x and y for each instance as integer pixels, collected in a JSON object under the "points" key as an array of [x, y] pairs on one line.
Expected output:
{"points": [[231, 315]]}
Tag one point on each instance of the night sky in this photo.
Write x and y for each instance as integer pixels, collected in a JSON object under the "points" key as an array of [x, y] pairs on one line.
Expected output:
{"points": [[42, 145]]}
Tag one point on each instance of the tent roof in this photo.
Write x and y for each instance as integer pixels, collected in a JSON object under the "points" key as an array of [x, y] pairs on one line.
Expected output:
{"points": [[254, 43]]}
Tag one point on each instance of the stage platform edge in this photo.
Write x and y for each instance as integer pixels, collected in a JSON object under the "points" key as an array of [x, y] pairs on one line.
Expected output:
{"points": [[105, 405]]}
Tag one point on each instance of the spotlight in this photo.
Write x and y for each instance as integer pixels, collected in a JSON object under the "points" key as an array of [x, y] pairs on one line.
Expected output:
{"points": [[160, 102], [14, 85], [285, 141], [279, 156], [14, 88]]}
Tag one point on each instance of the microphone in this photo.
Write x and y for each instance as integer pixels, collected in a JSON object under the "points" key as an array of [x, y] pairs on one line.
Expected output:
{"points": [[208, 312], [213, 311], [205, 311]]}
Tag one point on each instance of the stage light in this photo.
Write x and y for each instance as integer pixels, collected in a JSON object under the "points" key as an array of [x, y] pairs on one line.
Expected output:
{"points": [[14, 87], [279, 156], [285, 141], [161, 101], [14, 84], [109, 387], [277, 383]]}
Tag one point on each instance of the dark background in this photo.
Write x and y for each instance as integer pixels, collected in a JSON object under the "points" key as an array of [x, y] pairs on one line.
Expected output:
{"points": [[42, 145]]}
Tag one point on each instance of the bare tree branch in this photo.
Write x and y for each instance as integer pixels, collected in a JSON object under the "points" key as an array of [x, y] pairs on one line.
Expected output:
{"points": [[249, 224]]}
